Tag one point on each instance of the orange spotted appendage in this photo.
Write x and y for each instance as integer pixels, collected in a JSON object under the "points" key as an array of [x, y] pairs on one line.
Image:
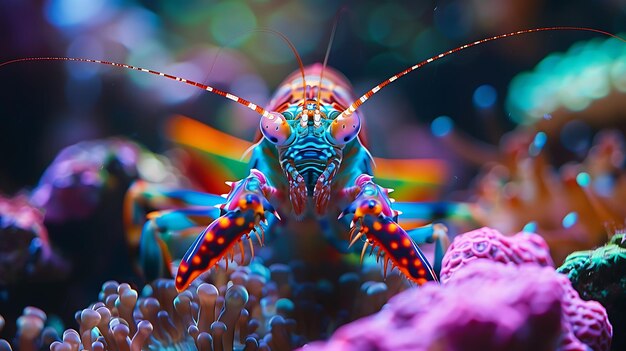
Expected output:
{"points": [[245, 208], [373, 218], [213, 244]]}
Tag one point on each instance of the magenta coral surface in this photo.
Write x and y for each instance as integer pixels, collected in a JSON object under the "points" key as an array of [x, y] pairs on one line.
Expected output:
{"points": [[511, 299], [488, 243]]}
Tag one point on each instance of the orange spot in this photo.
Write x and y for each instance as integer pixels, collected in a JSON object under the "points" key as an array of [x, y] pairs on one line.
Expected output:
{"points": [[420, 281], [239, 221], [417, 262], [404, 261], [392, 227], [179, 279], [209, 236], [196, 260], [224, 222], [183, 268], [242, 203], [394, 245], [377, 226], [220, 241], [406, 242], [421, 272], [203, 248]]}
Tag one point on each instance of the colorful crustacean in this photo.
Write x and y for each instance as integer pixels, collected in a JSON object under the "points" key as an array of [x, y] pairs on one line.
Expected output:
{"points": [[309, 163]]}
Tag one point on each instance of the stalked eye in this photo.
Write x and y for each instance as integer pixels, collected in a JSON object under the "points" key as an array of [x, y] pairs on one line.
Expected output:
{"points": [[343, 129], [276, 129]]}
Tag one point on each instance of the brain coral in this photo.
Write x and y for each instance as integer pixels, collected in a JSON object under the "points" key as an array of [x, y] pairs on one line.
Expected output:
{"points": [[488, 243]]}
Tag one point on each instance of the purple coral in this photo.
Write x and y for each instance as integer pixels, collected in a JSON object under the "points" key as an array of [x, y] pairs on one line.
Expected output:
{"points": [[499, 293], [584, 323], [486, 306], [488, 243]]}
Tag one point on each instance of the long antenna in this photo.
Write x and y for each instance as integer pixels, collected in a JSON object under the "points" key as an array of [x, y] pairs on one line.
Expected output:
{"points": [[235, 98], [295, 53], [357, 103], [330, 45]]}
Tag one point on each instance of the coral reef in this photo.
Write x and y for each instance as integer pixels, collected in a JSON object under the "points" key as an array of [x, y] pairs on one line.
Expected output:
{"points": [[568, 206], [238, 308], [490, 244], [498, 293], [32, 332], [484, 306], [601, 275]]}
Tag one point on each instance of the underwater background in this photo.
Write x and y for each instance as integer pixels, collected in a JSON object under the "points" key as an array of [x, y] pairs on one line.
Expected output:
{"points": [[526, 132]]}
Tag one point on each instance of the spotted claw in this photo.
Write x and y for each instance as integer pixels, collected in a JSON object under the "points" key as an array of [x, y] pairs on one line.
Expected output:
{"points": [[373, 219], [244, 211]]}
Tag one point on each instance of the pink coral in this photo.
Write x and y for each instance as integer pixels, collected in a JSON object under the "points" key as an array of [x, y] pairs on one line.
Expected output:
{"points": [[499, 293], [488, 243], [588, 321], [486, 306]]}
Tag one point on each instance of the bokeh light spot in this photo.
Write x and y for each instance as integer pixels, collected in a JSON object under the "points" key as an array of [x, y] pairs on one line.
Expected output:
{"points": [[539, 141], [485, 96], [570, 219], [530, 227], [604, 185], [441, 126], [390, 25], [84, 46], [73, 12], [583, 179], [231, 22]]}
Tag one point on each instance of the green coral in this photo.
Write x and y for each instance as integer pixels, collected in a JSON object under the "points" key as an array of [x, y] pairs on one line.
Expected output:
{"points": [[600, 275]]}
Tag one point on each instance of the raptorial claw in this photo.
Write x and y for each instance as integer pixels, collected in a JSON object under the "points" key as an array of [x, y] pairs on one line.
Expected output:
{"points": [[245, 209], [212, 245], [372, 210], [398, 247]]}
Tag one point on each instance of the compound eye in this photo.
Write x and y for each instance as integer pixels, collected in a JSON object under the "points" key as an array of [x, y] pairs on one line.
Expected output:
{"points": [[343, 129], [276, 129]]}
